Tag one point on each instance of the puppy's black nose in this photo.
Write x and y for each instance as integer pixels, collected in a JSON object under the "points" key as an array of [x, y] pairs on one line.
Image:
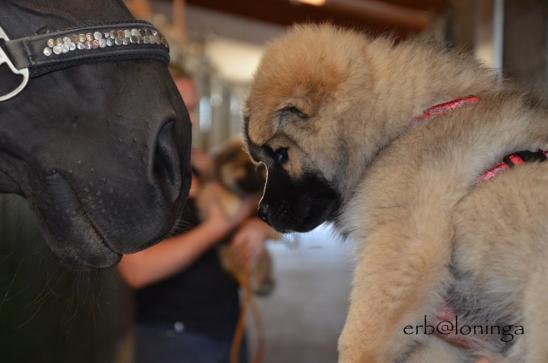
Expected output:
{"points": [[263, 212]]}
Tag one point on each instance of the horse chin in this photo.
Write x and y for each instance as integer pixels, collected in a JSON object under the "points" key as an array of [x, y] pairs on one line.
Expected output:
{"points": [[92, 254], [69, 232]]}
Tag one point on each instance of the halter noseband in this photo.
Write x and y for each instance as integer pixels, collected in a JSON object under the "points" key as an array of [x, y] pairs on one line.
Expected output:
{"points": [[36, 55]]}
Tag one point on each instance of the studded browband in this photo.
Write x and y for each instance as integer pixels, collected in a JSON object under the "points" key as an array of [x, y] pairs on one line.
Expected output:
{"points": [[36, 55]]}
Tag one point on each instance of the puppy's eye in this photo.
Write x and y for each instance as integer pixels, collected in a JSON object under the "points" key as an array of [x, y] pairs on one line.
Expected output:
{"points": [[281, 156], [292, 110]]}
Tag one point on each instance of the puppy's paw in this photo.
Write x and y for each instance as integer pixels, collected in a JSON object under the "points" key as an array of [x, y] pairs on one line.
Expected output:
{"points": [[351, 357], [353, 349]]}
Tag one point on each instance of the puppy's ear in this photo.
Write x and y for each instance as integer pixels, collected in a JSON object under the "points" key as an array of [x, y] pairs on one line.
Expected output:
{"points": [[302, 106], [278, 96]]}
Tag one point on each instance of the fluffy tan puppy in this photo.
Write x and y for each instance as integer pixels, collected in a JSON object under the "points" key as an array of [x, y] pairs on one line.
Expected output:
{"points": [[331, 114]]}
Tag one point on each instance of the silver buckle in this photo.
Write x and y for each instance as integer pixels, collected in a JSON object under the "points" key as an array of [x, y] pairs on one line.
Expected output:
{"points": [[4, 59]]}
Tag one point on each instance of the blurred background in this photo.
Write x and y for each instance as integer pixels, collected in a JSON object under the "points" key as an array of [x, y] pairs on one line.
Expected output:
{"points": [[50, 314]]}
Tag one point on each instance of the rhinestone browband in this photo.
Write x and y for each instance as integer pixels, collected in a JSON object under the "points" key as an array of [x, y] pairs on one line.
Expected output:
{"points": [[36, 55], [102, 39], [44, 53]]}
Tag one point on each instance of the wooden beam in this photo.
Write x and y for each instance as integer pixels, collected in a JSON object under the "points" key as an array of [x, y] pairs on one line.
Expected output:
{"points": [[356, 14], [382, 11], [431, 5]]}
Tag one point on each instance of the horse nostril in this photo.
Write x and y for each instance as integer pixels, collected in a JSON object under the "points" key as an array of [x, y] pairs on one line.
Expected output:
{"points": [[263, 212], [166, 167]]}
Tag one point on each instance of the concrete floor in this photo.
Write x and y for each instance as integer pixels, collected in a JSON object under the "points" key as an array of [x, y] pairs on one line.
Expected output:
{"points": [[304, 315]]}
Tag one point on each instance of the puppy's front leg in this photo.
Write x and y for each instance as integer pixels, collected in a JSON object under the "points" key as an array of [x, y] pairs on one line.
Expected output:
{"points": [[393, 282], [405, 237]]}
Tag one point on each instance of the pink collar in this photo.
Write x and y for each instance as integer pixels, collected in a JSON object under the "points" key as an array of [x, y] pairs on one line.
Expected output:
{"points": [[442, 109], [514, 159]]}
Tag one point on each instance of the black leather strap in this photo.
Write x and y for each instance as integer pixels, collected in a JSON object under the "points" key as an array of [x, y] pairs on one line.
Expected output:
{"points": [[30, 52]]}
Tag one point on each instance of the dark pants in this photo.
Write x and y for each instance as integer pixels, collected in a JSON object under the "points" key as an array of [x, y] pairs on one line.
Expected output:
{"points": [[162, 343]]}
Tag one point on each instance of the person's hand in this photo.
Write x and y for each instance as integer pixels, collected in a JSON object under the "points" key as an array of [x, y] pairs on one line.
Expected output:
{"points": [[249, 241], [224, 223], [202, 162]]}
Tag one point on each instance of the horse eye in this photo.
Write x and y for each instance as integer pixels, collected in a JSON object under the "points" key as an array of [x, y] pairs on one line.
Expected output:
{"points": [[281, 156]]}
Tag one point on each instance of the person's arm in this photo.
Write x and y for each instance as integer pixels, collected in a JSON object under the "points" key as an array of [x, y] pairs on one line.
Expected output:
{"points": [[169, 256], [249, 241], [177, 253]]}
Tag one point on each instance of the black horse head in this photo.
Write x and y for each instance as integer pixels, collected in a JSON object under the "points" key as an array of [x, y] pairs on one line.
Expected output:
{"points": [[100, 150]]}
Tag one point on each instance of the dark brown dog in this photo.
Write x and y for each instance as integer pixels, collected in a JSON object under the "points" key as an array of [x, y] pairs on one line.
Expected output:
{"points": [[239, 179]]}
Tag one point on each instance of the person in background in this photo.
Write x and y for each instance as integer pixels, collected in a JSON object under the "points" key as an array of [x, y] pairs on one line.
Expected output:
{"points": [[187, 88], [187, 306]]}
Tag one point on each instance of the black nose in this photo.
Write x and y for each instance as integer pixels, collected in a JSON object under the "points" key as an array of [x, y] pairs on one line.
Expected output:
{"points": [[263, 212], [166, 165]]}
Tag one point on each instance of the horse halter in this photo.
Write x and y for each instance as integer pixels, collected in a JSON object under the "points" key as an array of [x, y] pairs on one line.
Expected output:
{"points": [[34, 56]]}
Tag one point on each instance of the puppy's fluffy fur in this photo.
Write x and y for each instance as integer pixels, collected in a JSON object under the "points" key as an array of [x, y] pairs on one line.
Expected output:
{"points": [[336, 106]]}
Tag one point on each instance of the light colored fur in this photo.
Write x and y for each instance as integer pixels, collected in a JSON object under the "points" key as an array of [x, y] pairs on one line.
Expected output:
{"points": [[410, 197]]}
